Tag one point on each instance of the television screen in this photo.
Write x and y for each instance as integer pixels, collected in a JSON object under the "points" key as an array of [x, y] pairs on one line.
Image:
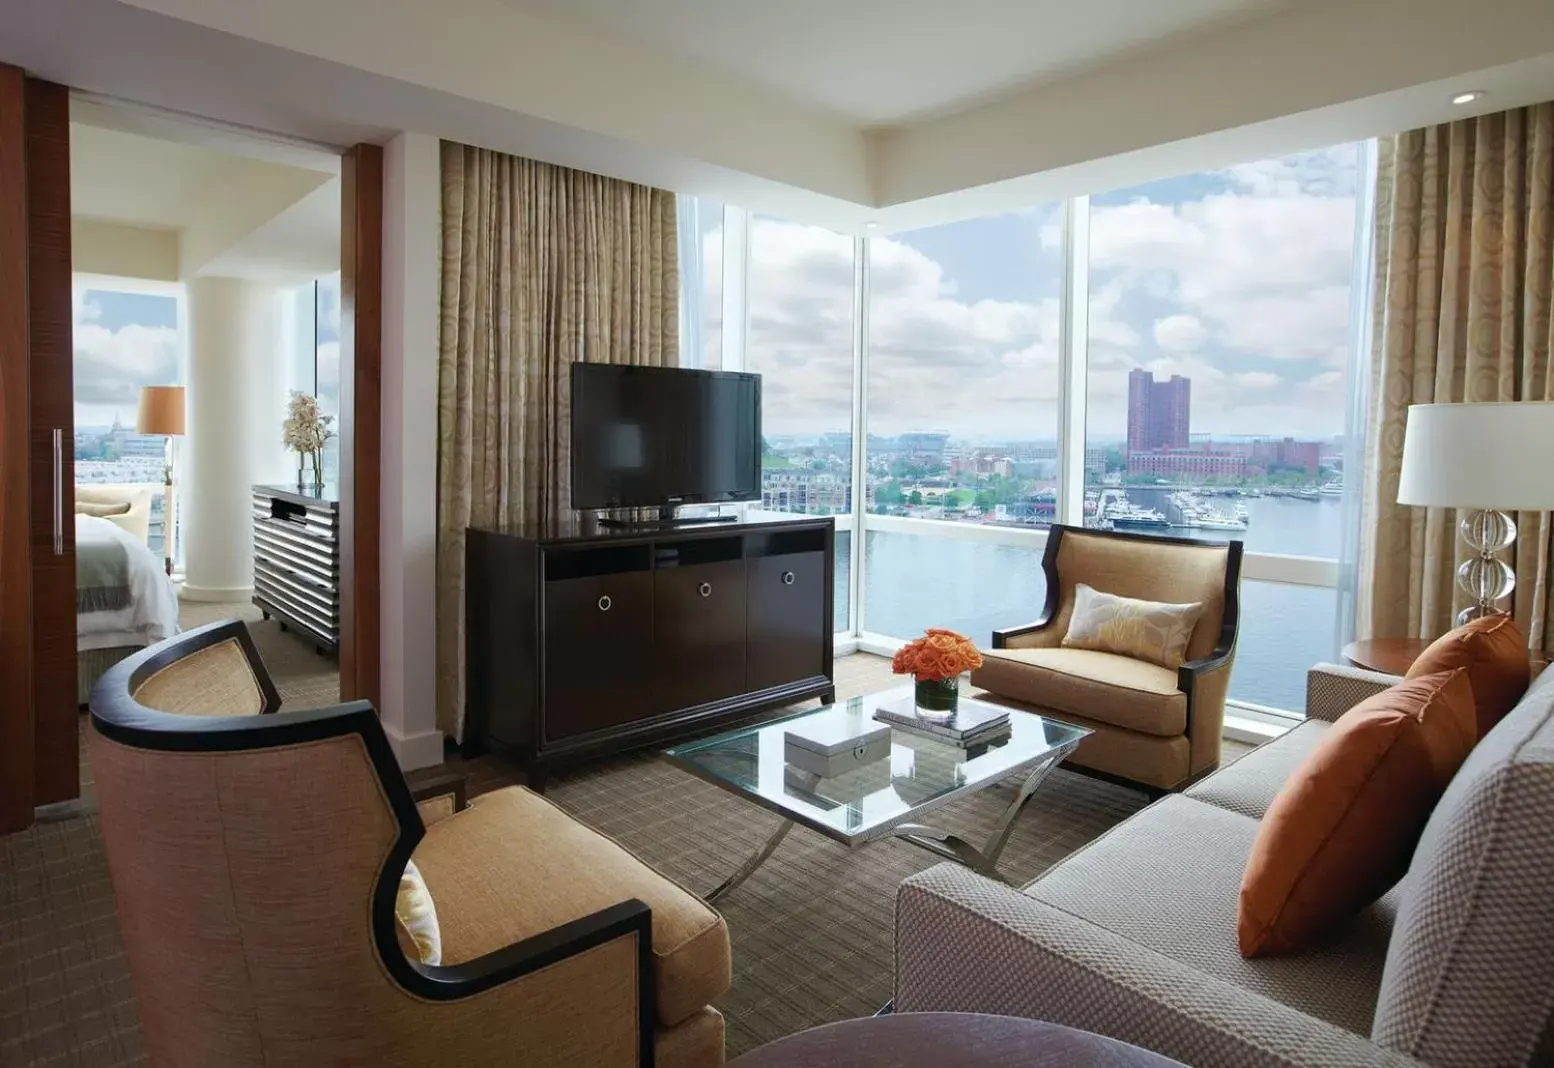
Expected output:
{"points": [[657, 436]]}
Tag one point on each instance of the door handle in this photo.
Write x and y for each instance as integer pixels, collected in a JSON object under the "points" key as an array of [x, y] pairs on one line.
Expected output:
{"points": [[59, 492], [787, 578], [705, 589]]}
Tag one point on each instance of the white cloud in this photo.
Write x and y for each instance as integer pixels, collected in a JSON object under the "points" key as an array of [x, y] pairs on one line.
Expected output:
{"points": [[1244, 288], [1179, 333]]}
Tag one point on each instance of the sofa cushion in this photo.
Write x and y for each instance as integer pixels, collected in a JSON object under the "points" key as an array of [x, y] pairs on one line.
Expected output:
{"points": [[1342, 829], [1145, 630], [1494, 651], [1100, 686], [1471, 963], [1167, 880], [1249, 785], [513, 865]]}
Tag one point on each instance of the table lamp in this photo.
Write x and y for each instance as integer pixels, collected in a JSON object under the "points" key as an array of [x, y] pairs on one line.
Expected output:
{"points": [[161, 412], [1491, 458]]}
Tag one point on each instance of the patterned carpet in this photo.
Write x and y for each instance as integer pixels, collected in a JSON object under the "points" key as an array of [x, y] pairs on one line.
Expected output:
{"points": [[811, 929]]}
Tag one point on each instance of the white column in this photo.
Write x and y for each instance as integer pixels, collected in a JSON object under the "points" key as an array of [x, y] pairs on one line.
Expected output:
{"points": [[412, 255], [233, 373]]}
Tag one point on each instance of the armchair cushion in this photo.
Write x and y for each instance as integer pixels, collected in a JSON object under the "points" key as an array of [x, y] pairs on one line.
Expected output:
{"points": [[1145, 630], [513, 865], [1113, 689]]}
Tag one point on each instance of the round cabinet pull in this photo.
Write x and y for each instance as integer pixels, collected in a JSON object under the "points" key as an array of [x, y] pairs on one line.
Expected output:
{"points": [[604, 603], [705, 589], [787, 578]]}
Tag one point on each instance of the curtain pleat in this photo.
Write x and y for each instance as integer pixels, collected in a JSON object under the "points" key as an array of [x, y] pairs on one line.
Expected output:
{"points": [[542, 267], [1464, 274]]}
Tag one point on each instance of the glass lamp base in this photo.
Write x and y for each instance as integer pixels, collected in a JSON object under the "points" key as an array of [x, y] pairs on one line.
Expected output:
{"points": [[1484, 577]]}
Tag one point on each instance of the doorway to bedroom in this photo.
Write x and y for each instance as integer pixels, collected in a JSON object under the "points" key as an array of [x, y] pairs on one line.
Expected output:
{"points": [[206, 307]]}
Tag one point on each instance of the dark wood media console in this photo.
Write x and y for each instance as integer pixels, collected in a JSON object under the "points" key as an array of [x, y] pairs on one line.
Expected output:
{"points": [[585, 641]]}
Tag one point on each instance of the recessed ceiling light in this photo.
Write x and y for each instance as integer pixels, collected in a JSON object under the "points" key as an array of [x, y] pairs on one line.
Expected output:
{"points": [[1468, 97], [871, 225]]}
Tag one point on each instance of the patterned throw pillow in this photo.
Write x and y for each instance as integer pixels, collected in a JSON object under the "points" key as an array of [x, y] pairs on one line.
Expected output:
{"points": [[1144, 630], [419, 934]]}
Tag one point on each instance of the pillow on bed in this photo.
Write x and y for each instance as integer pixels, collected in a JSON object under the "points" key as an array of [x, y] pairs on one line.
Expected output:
{"points": [[102, 511]]}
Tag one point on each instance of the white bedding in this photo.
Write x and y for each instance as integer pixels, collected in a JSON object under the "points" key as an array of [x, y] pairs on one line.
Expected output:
{"points": [[152, 613]]}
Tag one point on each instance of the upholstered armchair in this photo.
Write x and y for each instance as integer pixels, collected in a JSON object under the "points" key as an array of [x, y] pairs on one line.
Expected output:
{"points": [[256, 855], [1154, 727]]}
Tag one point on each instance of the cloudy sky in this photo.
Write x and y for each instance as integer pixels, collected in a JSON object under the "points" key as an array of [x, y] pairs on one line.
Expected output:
{"points": [[1238, 279], [122, 341]]}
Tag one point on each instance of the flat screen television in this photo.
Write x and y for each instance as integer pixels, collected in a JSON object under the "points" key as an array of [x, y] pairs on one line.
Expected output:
{"points": [[660, 436]]}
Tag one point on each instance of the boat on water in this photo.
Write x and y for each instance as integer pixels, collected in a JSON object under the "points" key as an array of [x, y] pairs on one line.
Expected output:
{"points": [[1332, 489], [1308, 495], [1128, 516]]}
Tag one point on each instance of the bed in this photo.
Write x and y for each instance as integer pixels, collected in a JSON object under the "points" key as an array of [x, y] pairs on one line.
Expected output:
{"points": [[124, 599]]}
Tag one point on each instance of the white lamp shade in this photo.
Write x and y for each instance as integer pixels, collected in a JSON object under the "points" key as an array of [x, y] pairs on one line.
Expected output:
{"points": [[1479, 456]]}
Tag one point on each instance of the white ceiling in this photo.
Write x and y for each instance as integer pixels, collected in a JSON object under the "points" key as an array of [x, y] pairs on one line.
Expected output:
{"points": [[882, 62], [1216, 81], [125, 178], [239, 215]]}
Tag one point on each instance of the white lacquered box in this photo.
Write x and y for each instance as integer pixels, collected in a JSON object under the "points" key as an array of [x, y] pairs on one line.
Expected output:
{"points": [[835, 742]]}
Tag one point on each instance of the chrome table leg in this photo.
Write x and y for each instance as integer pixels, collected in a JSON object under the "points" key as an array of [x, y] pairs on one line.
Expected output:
{"points": [[747, 869]]}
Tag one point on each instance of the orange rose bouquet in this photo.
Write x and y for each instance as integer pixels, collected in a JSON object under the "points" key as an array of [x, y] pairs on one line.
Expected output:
{"points": [[938, 654]]}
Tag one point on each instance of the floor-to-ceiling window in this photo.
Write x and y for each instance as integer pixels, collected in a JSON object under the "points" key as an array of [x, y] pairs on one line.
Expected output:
{"points": [[126, 335], [799, 336], [1204, 373], [1219, 346], [963, 380]]}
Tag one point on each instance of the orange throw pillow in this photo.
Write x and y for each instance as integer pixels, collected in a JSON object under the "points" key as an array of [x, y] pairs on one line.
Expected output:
{"points": [[1494, 651], [1343, 828]]}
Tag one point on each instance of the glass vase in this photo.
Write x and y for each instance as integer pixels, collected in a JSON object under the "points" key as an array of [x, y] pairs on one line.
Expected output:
{"points": [[938, 695]]}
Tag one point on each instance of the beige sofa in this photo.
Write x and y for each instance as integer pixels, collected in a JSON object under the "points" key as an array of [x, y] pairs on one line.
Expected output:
{"points": [[1134, 936], [137, 520]]}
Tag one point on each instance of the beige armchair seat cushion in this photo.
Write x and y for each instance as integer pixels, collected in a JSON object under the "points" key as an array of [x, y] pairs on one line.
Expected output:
{"points": [[512, 865], [1168, 880], [1105, 687]]}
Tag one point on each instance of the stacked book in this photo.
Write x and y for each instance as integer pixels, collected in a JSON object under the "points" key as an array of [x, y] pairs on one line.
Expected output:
{"points": [[968, 725]]}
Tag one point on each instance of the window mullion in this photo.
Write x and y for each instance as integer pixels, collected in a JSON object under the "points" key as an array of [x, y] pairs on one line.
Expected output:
{"points": [[860, 439], [1073, 359]]}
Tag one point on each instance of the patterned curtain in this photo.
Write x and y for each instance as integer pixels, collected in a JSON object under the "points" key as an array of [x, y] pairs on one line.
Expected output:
{"points": [[1464, 300], [542, 267]]}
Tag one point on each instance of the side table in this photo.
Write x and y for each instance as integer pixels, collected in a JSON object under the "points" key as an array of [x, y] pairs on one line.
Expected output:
{"points": [[1391, 656]]}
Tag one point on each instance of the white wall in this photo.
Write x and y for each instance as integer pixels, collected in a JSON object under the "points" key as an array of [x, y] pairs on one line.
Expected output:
{"points": [[408, 531], [235, 408]]}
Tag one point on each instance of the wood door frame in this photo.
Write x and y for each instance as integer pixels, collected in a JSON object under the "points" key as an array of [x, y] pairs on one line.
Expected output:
{"points": [[56, 719], [361, 420], [16, 721]]}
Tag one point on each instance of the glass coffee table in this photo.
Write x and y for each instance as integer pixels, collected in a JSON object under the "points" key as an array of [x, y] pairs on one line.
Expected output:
{"points": [[889, 798]]}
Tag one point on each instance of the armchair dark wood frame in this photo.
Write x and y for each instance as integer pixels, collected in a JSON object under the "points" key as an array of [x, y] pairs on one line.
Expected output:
{"points": [[119, 717], [1187, 674]]}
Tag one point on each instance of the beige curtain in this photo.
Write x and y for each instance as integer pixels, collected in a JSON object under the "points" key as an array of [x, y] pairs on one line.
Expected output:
{"points": [[542, 267], [1464, 274]]}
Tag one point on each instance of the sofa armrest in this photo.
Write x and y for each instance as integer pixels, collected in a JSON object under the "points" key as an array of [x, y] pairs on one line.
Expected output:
{"points": [[1333, 689], [1038, 635], [967, 944]]}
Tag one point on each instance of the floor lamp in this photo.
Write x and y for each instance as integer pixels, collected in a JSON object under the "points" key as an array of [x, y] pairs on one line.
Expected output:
{"points": [[1489, 458], [161, 412]]}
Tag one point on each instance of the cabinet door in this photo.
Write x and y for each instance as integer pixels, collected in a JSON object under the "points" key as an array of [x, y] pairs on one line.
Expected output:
{"points": [[598, 652], [699, 633], [789, 621]]}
